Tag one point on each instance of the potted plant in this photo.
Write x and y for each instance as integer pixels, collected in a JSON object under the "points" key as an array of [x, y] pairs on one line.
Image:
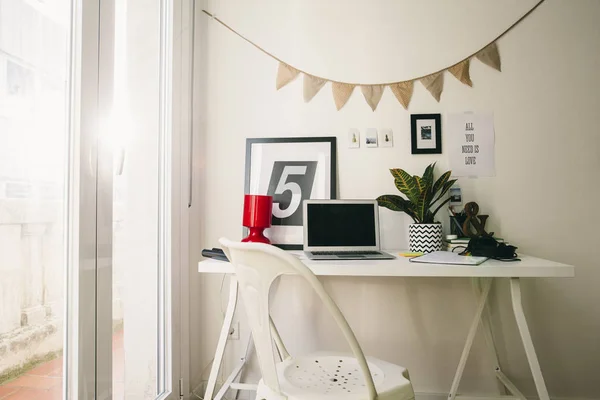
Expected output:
{"points": [[422, 193]]}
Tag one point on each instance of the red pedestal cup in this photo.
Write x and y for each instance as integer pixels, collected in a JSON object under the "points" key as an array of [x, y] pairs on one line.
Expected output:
{"points": [[257, 216]]}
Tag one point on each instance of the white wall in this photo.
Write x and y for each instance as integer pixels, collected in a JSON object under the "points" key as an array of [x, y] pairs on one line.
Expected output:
{"points": [[543, 197]]}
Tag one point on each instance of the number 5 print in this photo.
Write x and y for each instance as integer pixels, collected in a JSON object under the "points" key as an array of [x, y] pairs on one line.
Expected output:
{"points": [[291, 182]]}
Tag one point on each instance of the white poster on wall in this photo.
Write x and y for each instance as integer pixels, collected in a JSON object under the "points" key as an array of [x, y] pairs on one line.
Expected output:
{"points": [[471, 144]]}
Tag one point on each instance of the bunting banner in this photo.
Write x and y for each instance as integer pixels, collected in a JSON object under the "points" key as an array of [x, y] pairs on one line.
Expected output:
{"points": [[372, 94], [312, 85], [490, 56], [285, 74], [461, 72], [434, 83], [402, 90], [341, 93]]}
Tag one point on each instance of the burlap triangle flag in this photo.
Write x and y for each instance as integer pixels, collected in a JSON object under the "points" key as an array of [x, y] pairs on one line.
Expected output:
{"points": [[435, 84], [341, 93], [372, 94], [285, 74], [461, 72], [490, 56], [312, 85], [403, 92]]}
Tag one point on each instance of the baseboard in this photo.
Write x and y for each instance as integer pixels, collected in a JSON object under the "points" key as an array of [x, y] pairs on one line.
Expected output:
{"points": [[424, 396], [429, 396], [443, 396]]}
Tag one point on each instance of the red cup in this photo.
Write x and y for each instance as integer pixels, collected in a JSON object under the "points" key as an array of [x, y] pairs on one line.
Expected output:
{"points": [[258, 210]]}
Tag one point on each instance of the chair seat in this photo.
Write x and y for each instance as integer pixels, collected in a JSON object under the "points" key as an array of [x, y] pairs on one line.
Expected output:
{"points": [[329, 375]]}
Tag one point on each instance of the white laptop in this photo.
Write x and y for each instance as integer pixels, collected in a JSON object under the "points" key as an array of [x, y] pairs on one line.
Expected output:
{"points": [[342, 230]]}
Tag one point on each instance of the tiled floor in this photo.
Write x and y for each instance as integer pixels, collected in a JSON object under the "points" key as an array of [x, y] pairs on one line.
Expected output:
{"points": [[44, 382]]}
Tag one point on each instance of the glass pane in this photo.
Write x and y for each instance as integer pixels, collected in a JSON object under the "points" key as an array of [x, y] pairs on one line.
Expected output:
{"points": [[33, 161], [135, 129]]}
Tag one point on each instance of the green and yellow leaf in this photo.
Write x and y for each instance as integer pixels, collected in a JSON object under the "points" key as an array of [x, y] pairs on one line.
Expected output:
{"points": [[428, 175], [396, 172], [422, 206], [408, 185], [447, 187], [396, 203], [444, 190], [441, 181], [421, 184]]}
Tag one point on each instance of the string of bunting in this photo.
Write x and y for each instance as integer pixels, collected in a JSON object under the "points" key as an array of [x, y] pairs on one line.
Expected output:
{"points": [[402, 90]]}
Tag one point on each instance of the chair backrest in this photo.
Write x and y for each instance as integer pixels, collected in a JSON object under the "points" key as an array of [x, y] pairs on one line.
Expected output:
{"points": [[257, 265]]}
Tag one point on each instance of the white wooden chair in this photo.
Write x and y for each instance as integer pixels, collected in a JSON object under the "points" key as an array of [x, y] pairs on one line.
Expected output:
{"points": [[317, 376]]}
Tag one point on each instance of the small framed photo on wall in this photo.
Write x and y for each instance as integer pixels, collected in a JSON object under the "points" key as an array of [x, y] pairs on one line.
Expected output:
{"points": [[426, 133], [291, 170]]}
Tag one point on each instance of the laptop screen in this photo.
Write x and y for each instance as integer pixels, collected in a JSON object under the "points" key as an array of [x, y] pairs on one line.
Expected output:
{"points": [[339, 224]]}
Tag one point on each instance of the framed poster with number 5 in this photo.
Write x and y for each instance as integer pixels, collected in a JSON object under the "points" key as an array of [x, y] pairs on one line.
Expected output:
{"points": [[291, 170]]}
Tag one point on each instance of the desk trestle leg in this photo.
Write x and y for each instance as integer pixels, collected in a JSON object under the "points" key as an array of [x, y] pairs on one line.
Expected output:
{"points": [[534, 365], [470, 337], [482, 315], [220, 352], [232, 382], [504, 383], [235, 375]]}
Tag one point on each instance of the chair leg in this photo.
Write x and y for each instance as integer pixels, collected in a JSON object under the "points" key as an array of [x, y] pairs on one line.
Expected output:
{"points": [[470, 337], [534, 365], [220, 352]]}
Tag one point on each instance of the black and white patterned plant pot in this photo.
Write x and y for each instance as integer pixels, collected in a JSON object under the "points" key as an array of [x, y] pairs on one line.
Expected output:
{"points": [[424, 238]]}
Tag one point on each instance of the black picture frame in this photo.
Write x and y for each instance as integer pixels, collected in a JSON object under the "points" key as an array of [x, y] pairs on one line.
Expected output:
{"points": [[281, 167], [422, 141]]}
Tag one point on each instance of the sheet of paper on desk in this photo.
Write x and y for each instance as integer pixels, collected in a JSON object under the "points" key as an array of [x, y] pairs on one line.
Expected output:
{"points": [[448, 257]]}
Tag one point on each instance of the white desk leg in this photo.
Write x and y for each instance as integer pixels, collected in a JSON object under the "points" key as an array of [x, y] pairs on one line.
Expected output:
{"points": [[237, 371], [534, 365], [470, 337], [220, 352], [486, 326]]}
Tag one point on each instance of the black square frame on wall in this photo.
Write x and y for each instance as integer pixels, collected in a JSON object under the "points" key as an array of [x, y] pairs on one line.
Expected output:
{"points": [[426, 133]]}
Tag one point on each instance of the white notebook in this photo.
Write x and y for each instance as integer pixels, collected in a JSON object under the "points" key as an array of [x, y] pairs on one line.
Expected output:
{"points": [[448, 257]]}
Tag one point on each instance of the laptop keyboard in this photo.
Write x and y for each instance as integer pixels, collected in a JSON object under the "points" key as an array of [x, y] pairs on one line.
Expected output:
{"points": [[333, 253]]}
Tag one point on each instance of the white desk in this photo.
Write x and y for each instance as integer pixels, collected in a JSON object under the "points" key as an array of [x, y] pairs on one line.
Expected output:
{"points": [[528, 267]]}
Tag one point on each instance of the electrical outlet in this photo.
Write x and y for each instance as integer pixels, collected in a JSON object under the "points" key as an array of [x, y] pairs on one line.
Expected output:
{"points": [[234, 331]]}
